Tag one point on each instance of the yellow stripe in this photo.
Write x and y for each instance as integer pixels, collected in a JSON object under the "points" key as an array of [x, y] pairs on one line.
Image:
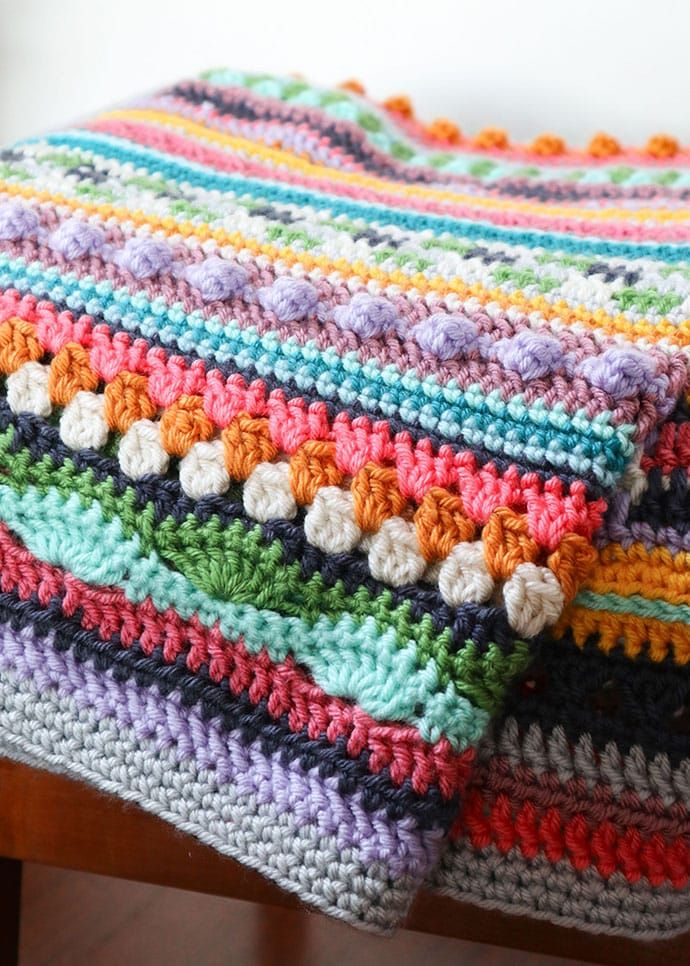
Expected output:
{"points": [[633, 634], [308, 168], [599, 320]]}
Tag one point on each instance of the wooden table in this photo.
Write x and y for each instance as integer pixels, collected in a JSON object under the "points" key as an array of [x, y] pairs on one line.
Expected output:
{"points": [[55, 821]]}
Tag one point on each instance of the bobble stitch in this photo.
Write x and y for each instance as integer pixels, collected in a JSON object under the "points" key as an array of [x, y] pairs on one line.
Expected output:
{"points": [[399, 104], [662, 146], [441, 524], [311, 467], [531, 354], [17, 221], [145, 257], [246, 443], [82, 424], [70, 372], [141, 452], [18, 344], [354, 86], [367, 315], [463, 577], [394, 555], [603, 146], [267, 494], [76, 238], [290, 299], [127, 401], [507, 543], [376, 496], [491, 138], [203, 472], [533, 599], [548, 145], [619, 371], [185, 423], [446, 336], [444, 130], [571, 563], [217, 279], [330, 523], [27, 390]]}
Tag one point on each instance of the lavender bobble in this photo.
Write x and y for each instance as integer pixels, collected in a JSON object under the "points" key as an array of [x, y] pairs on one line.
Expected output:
{"points": [[621, 372], [532, 355], [447, 336], [290, 299], [75, 238], [216, 279], [145, 257], [366, 315], [17, 221]]}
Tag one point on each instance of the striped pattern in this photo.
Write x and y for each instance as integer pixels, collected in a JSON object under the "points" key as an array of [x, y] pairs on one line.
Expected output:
{"points": [[313, 422], [585, 784]]}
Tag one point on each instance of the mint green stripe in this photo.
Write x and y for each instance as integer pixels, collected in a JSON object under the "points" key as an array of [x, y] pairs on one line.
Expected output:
{"points": [[634, 604], [347, 659]]}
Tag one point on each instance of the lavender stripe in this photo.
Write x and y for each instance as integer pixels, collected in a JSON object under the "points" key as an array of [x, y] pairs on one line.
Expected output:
{"points": [[312, 800]]}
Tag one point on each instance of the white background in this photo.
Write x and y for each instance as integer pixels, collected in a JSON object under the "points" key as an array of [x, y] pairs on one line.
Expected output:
{"points": [[568, 66]]}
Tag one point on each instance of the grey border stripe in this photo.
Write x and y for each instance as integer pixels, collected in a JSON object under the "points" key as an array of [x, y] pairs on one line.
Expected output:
{"points": [[43, 728], [560, 893]]}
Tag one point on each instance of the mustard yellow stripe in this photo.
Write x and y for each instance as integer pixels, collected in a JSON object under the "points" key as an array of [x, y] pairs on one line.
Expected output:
{"points": [[599, 320], [633, 634], [287, 159]]}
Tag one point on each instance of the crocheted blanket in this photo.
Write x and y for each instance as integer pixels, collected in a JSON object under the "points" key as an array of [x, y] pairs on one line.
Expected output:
{"points": [[343, 513]]}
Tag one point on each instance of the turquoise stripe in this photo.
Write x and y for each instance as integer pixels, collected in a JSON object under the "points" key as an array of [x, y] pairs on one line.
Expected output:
{"points": [[583, 445], [346, 658], [634, 604], [172, 167]]}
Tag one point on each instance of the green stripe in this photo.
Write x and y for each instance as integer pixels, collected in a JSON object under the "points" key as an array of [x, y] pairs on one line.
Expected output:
{"points": [[346, 659]]}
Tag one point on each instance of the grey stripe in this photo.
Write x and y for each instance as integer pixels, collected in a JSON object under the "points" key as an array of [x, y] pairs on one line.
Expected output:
{"points": [[552, 751], [45, 729], [560, 893]]}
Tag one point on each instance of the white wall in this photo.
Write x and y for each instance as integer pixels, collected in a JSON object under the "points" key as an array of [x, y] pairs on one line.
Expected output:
{"points": [[571, 66]]}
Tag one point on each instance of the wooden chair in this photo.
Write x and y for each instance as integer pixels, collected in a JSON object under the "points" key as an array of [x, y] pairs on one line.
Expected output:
{"points": [[54, 821]]}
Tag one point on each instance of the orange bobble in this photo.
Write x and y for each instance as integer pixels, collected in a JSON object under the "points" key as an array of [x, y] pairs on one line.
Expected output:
{"points": [[444, 130], [127, 400], [507, 543], [311, 467], [662, 146], [491, 137], [572, 562], [441, 524], [185, 423], [603, 146], [400, 104], [375, 496], [354, 86], [70, 372], [548, 145], [18, 344], [246, 443]]}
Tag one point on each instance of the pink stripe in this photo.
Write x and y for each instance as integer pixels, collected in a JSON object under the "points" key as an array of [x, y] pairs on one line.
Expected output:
{"points": [[169, 142], [552, 508]]}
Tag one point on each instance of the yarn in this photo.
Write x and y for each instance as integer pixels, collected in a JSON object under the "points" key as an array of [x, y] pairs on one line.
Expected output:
{"points": [[319, 426]]}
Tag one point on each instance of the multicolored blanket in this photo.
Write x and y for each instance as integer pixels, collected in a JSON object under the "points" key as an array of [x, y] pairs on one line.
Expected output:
{"points": [[343, 513]]}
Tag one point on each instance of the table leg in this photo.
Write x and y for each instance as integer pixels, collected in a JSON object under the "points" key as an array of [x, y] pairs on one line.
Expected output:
{"points": [[10, 906]]}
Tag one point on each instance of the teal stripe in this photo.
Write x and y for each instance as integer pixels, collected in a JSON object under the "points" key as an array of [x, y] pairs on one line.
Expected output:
{"points": [[170, 166], [634, 604], [346, 658], [583, 445]]}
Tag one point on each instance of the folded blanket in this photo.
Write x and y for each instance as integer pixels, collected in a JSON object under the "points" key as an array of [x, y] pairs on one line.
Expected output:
{"points": [[310, 419]]}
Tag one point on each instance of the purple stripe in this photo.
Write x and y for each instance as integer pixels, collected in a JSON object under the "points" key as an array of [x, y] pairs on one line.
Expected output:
{"points": [[312, 800]]}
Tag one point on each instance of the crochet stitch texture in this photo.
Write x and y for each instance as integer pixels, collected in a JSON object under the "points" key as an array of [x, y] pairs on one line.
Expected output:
{"points": [[317, 429]]}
